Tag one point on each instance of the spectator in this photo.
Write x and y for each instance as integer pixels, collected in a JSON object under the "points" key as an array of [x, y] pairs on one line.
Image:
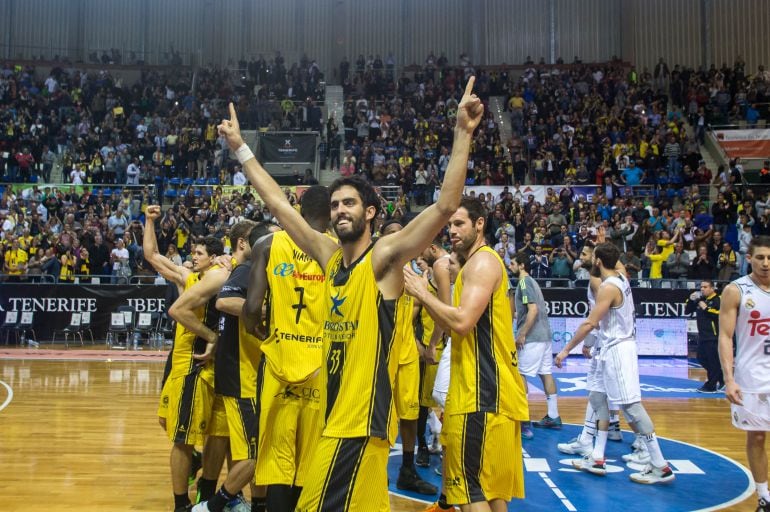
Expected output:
{"points": [[727, 263], [560, 262], [540, 267], [678, 263]]}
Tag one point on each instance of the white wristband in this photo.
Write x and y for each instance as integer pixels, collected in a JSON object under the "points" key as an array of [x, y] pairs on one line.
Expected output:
{"points": [[243, 153]]}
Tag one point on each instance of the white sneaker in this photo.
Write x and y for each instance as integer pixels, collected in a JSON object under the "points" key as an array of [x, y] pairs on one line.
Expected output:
{"points": [[203, 506], [638, 457], [638, 444], [575, 447], [238, 505], [588, 463], [652, 475]]}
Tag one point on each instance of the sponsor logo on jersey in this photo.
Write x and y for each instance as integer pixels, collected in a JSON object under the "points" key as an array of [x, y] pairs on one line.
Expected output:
{"points": [[759, 326]]}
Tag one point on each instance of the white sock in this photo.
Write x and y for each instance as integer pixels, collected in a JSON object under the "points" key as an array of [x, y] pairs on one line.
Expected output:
{"points": [[656, 456], [601, 443], [553, 407], [589, 425], [762, 491], [614, 417]]}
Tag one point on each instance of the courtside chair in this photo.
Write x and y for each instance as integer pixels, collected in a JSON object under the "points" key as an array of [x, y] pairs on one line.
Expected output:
{"points": [[146, 326], [25, 327], [85, 325], [9, 323], [121, 322], [72, 329]]}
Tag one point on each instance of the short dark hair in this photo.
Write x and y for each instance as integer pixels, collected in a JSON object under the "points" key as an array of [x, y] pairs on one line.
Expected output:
{"points": [[390, 222], [213, 245], [365, 190], [241, 230], [608, 254], [474, 207], [759, 241], [260, 229], [314, 203], [522, 259]]}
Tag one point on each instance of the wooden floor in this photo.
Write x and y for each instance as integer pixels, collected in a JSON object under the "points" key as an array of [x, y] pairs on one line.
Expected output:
{"points": [[83, 435]]}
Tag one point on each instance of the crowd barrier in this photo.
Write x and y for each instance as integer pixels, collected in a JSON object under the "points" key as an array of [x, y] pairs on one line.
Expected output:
{"points": [[662, 326]]}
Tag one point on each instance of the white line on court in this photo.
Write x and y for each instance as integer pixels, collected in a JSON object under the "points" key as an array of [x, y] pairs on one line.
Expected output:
{"points": [[554, 488], [8, 398]]}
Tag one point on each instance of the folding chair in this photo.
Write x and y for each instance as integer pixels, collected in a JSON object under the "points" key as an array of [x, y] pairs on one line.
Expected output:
{"points": [[9, 324], [85, 325], [73, 329], [146, 324], [121, 322], [26, 326]]}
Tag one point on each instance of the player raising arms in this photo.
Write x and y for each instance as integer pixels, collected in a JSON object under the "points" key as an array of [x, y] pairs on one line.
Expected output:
{"points": [[364, 282]]}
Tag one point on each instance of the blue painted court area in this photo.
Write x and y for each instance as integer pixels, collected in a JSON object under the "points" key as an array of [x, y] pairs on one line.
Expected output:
{"points": [[704, 480], [653, 386]]}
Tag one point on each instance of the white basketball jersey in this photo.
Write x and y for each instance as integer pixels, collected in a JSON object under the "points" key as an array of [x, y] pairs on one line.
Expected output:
{"points": [[619, 322], [752, 331], [596, 333]]}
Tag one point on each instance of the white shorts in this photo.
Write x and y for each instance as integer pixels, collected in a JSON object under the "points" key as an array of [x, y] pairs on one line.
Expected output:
{"points": [[441, 384], [619, 368], [754, 414], [535, 359], [595, 376]]}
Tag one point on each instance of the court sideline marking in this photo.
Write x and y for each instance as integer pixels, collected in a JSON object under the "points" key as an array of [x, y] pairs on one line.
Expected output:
{"points": [[554, 488], [8, 398]]}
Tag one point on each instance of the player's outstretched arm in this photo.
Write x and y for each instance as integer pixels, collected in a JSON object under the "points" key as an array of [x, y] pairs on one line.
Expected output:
{"points": [[410, 241], [184, 308], [728, 314], [318, 246], [252, 317], [605, 297], [460, 319], [164, 266]]}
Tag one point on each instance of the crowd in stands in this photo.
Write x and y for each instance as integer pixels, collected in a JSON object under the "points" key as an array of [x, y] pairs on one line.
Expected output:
{"points": [[632, 136], [100, 130]]}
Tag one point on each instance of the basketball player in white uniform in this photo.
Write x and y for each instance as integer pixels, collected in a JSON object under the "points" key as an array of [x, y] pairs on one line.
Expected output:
{"points": [[613, 314], [745, 312]]}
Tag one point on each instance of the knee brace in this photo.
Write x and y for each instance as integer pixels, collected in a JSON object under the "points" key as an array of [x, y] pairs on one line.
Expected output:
{"points": [[637, 415], [599, 402]]}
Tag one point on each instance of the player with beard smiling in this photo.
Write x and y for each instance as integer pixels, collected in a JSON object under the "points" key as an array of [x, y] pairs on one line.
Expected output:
{"points": [[364, 284]]}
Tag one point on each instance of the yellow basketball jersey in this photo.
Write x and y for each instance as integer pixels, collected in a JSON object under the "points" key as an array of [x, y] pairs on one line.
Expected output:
{"points": [[359, 338], [186, 342], [427, 323], [484, 378], [405, 331], [296, 310]]}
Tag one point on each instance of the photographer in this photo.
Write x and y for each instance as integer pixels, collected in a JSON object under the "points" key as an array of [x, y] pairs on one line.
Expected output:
{"points": [[705, 305]]}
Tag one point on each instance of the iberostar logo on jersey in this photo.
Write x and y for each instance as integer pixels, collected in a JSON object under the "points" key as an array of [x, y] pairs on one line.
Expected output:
{"points": [[336, 328], [288, 270]]}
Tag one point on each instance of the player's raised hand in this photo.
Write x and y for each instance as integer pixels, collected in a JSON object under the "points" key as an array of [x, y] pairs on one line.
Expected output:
{"points": [[153, 212], [230, 129], [471, 110]]}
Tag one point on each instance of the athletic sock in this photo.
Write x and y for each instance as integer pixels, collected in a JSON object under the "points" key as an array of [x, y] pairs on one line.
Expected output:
{"points": [[615, 418], [220, 499], [589, 426], [206, 489], [553, 405], [601, 443], [762, 491], [422, 423], [182, 500], [656, 456], [442, 504], [408, 459], [259, 504]]}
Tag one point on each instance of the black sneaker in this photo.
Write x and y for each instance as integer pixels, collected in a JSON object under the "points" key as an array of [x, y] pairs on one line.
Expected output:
{"points": [[409, 480], [706, 389], [423, 458], [763, 505]]}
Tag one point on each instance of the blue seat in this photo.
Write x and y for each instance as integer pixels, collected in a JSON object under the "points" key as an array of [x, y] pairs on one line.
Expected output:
{"points": [[174, 182], [107, 191], [118, 191], [213, 181], [170, 193], [187, 182], [197, 192], [200, 181]]}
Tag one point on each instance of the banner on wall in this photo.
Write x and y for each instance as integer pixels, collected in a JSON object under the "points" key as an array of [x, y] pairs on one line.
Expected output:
{"points": [[661, 323], [287, 148], [744, 143], [538, 191]]}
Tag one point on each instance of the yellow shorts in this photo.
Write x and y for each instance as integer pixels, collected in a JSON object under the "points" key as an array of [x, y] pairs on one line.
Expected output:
{"points": [[288, 436], [186, 403], [218, 425], [243, 424], [347, 475], [428, 374], [406, 391], [483, 459]]}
